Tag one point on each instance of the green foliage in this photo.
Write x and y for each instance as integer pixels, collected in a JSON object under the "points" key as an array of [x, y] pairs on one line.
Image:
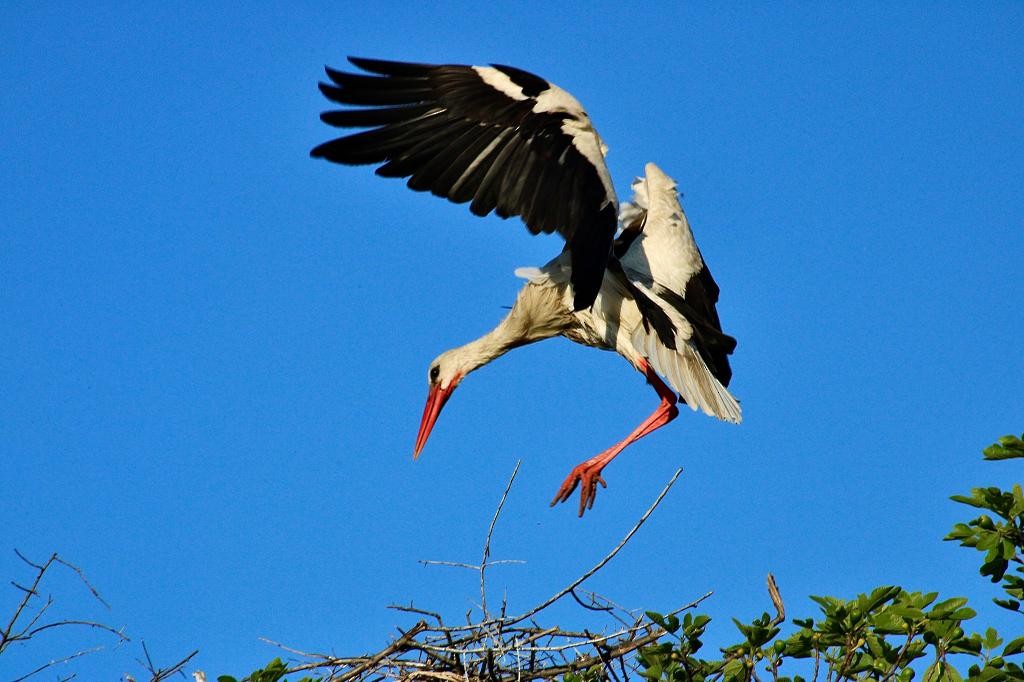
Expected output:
{"points": [[874, 636], [1000, 538], [889, 634], [679, 662], [1007, 448]]}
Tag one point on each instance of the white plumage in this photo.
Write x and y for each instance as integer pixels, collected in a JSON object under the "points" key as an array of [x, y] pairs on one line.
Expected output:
{"points": [[664, 256]]}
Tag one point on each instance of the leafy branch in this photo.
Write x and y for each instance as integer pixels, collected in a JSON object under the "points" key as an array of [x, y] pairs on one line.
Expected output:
{"points": [[1002, 538], [879, 635]]}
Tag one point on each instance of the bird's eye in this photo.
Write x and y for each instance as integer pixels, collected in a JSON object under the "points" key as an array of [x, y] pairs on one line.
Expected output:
{"points": [[435, 372]]}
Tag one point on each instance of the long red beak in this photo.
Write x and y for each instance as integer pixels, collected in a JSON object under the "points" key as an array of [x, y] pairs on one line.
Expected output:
{"points": [[435, 401]]}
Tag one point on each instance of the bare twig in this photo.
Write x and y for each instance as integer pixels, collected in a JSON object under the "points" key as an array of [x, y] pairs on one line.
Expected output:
{"points": [[487, 542], [18, 631], [776, 597], [160, 674], [85, 581], [35, 619], [22, 588], [591, 606], [165, 673], [32, 563], [412, 609], [475, 567], [5, 635], [58, 661], [290, 650], [608, 557]]}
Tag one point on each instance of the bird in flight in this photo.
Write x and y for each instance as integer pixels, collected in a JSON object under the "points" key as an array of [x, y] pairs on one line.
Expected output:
{"points": [[507, 141]]}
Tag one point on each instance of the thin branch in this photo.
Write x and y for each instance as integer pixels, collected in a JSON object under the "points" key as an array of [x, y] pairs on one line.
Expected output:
{"points": [[537, 635], [412, 609], [487, 542], [32, 563], [475, 567], [32, 623], [58, 661], [120, 635], [592, 606], [163, 674], [149, 660], [600, 564], [160, 674], [397, 645], [81, 574], [595, 598], [297, 652], [899, 655], [5, 636]]}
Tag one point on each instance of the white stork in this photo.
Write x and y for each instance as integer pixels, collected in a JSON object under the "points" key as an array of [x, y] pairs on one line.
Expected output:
{"points": [[511, 142]]}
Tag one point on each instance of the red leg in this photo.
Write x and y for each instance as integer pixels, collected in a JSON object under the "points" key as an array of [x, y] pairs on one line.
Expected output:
{"points": [[588, 474]]}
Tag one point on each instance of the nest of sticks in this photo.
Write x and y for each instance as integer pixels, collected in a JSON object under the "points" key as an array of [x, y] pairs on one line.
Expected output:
{"points": [[499, 646]]}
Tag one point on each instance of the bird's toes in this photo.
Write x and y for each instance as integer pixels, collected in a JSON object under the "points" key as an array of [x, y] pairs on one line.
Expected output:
{"points": [[586, 479], [566, 490]]}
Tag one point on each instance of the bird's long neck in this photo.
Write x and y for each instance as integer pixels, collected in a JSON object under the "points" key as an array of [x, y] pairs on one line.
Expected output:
{"points": [[539, 313], [487, 348]]}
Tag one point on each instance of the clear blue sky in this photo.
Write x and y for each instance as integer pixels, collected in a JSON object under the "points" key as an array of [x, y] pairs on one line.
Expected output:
{"points": [[215, 348]]}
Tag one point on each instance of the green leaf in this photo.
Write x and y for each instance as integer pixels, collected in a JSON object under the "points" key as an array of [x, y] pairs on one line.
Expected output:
{"points": [[880, 596], [995, 567], [1010, 604], [972, 501], [963, 614], [940, 671], [226, 678], [1008, 447], [944, 608], [1017, 509], [992, 638], [1015, 647], [733, 668], [656, 617], [907, 612]]}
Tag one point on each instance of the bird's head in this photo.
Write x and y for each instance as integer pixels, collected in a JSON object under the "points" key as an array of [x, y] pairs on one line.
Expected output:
{"points": [[445, 373]]}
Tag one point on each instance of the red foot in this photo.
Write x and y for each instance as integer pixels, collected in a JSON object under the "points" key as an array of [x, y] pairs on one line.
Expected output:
{"points": [[589, 475]]}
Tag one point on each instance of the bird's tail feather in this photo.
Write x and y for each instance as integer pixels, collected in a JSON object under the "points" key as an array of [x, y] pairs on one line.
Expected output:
{"points": [[689, 375]]}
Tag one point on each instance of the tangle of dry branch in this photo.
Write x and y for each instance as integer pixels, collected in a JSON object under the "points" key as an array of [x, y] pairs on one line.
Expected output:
{"points": [[503, 649], [27, 620]]}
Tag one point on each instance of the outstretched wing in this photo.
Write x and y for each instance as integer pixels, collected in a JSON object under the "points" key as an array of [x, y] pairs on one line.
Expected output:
{"points": [[683, 337], [502, 138]]}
